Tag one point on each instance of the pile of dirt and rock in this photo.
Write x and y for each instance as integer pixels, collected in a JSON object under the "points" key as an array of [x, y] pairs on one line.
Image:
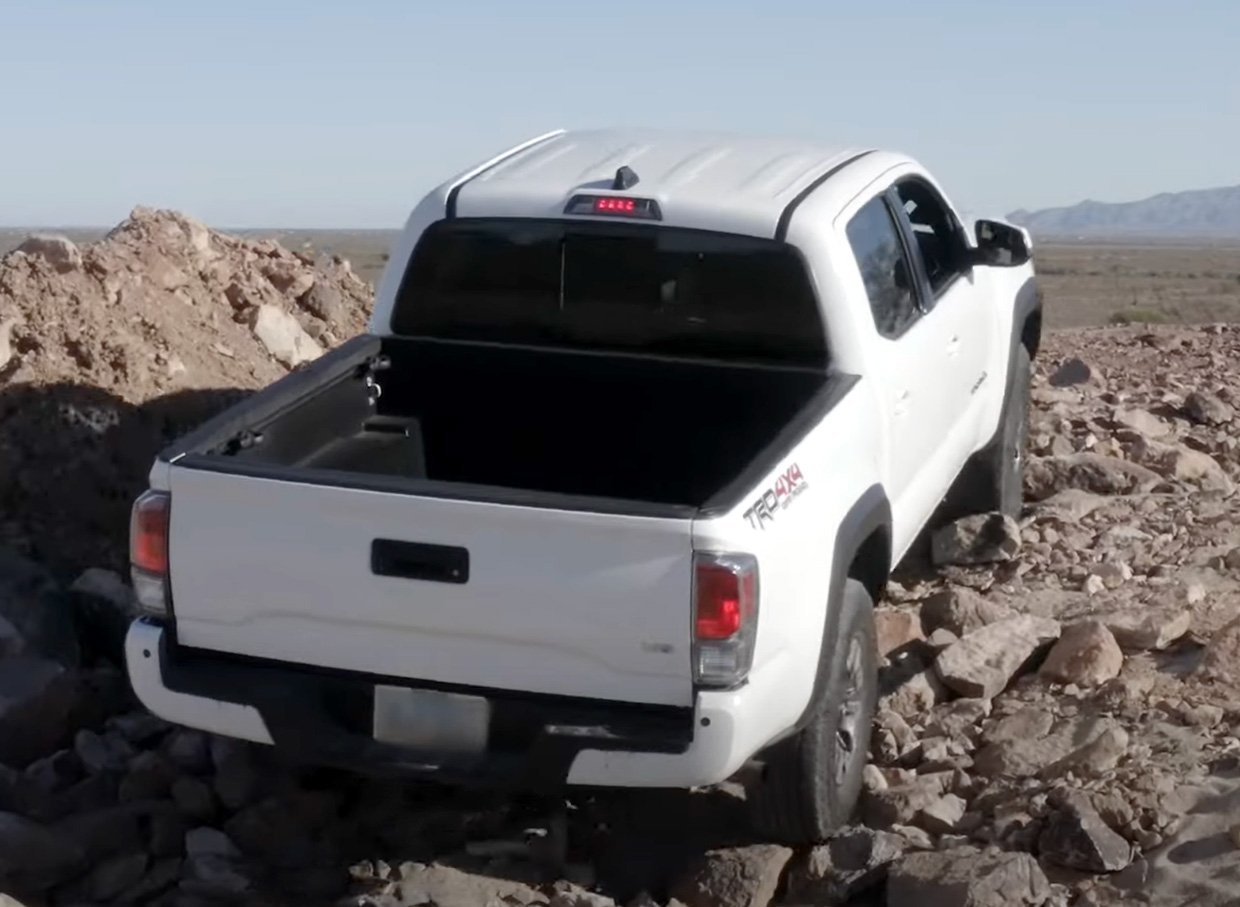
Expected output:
{"points": [[165, 303], [110, 348], [1059, 721]]}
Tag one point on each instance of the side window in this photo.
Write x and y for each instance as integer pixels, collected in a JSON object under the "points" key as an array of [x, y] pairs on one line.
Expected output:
{"points": [[936, 231], [875, 241]]}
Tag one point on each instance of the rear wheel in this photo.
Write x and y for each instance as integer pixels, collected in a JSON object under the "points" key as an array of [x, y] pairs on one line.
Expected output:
{"points": [[811, 781]]}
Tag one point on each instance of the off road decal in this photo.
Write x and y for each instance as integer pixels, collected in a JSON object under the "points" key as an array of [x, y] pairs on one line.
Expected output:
{"points": [[776, 498]]}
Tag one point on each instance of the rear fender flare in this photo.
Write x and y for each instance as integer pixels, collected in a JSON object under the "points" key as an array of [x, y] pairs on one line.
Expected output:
{"points": [[870, 513]]}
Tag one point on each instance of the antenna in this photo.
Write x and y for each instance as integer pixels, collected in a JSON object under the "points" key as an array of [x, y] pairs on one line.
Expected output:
{"points": [[625, 178]]}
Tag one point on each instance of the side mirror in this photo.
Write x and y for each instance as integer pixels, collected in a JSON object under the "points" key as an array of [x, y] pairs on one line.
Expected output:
{"points": [[1001, 245]]}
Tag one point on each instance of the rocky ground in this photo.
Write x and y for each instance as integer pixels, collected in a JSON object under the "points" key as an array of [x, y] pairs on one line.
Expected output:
{"points": [[1059, 722]]}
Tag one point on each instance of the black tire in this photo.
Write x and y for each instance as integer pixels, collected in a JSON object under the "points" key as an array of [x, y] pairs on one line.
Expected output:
{"points": [[993, 480], [811, 781]]}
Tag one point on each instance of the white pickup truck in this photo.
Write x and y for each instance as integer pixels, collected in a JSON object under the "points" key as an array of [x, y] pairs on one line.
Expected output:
{"points": [[604, 496]]}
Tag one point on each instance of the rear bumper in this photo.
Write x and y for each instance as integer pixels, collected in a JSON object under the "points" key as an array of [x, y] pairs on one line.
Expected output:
{"points": [[536, 743]]}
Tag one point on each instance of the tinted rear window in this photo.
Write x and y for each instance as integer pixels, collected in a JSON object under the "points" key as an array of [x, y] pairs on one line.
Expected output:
{"points": [[604, 286]]}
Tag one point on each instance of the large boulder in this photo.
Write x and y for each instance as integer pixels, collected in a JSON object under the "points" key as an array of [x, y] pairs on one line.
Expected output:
{"points": [[283, 336], [58, 251], [1207, 409], [895, 630], [1222, 656], [38, 609], [1086, 654], [105, 606], [1091, 472], [1142, 422], [6, 340], [980, 539], [1033, 741], [326, 302], [41, 702], [450, 887], [1148, 628], [961, 611], [1183, 464], [35, 858], [967, 877], [853, 862], [982, 664], [735, 877], [1076, 837], [213, 867]]}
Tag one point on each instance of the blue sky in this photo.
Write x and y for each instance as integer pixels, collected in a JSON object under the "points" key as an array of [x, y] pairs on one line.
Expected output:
{"points": [[269, 112]]}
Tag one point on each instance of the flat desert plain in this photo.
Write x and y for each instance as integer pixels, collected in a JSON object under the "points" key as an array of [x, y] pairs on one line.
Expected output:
{"points": [[1084, 284]]}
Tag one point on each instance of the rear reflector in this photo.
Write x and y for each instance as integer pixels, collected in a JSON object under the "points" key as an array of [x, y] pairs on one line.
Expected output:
{"points": [[151, 591], [148, 550], [725, 617]]}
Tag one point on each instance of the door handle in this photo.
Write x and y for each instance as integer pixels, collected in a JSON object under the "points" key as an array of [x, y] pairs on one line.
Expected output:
{"points": [[418, 561]]}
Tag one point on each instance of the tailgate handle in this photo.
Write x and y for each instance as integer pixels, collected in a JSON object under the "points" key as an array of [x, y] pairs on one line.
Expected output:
{"points": [[417, 560]]}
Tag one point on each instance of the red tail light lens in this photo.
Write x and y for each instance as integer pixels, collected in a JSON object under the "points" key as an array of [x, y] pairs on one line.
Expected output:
{"points": [[724, 595], [148, 532], [725, 618]]}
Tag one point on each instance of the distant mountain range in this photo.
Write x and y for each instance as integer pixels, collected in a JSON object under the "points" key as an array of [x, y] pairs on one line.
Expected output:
{"points": [[1199, 213]]}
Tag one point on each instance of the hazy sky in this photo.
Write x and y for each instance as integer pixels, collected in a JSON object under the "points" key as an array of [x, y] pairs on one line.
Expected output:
{"points": [[309, 113]]}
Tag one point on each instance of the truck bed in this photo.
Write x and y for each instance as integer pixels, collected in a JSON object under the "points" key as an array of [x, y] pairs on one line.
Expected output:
{"points": [[501, 517], [663, 432]]}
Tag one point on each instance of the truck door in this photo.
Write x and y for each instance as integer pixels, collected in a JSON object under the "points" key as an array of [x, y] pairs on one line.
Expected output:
{"points": [[957, 302], [908, 347]]}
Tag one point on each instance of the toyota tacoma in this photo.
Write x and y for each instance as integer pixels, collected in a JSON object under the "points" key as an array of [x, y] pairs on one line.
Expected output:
{"points": [[606, 493]]}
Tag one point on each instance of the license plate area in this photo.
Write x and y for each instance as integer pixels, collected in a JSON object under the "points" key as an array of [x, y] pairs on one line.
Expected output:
{"points": [[431, 720]]}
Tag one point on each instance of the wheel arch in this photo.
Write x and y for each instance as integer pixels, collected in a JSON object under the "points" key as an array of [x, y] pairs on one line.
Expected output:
{"points": [[1026, 332], [1027, 323], [862, 551]]}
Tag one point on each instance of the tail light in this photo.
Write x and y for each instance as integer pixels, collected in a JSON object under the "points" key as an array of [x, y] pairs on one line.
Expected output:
{"points": [[148, 551], [725, 617]]}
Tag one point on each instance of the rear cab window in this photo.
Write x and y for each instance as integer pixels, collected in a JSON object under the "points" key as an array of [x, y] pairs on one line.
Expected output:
{"points": [[613, 287]]}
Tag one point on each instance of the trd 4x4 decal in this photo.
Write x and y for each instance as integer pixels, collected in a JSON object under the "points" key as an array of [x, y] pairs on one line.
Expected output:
{"points": [[776, 498]]}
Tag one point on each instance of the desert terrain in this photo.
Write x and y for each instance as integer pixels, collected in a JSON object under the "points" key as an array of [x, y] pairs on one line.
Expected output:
{"points": [[1094, 283], [1059, 722], [1085, 283]]}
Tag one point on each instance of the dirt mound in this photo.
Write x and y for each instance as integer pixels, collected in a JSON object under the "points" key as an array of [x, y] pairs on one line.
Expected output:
{"points": [[110, 349], [164, 303]]}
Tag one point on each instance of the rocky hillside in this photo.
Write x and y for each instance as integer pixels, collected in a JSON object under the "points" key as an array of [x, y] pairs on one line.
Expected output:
{"points": [[1059, 722]]}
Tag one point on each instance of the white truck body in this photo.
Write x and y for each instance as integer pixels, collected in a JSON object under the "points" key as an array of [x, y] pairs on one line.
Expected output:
{"points": [[582, 602]]}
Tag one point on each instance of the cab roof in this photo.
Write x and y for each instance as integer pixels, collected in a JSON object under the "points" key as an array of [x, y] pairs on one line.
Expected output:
{"points": [[706, 180]]}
